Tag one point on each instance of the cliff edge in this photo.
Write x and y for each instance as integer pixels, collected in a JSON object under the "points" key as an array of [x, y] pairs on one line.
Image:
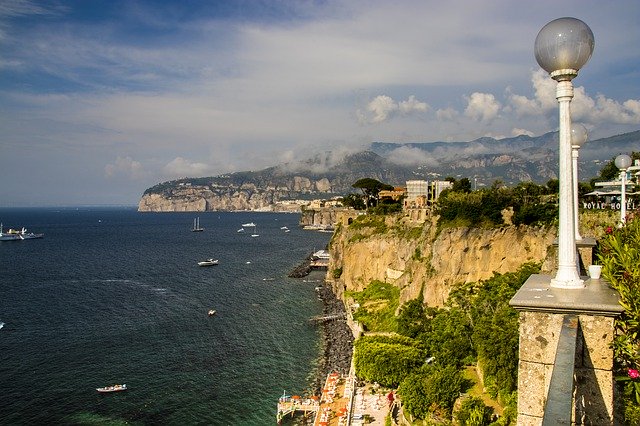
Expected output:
{"points": [[415, 256]]}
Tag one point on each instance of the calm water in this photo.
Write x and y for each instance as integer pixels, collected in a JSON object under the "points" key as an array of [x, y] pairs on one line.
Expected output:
{"points": [[115, 296]]}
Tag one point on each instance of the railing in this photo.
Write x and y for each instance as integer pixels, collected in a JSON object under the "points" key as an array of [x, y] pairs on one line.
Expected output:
{"points": [[559, 407]]}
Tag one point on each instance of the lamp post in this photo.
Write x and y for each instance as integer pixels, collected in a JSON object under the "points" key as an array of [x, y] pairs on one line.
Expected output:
{"points": [[562, 47], [623, 162], [578, 138]]}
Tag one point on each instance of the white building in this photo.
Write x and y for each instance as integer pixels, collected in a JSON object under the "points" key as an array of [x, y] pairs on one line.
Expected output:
{"points": [[420, 193]]}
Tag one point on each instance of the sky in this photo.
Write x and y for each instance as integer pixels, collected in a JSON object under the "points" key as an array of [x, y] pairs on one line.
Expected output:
{"points": [[102, 99]]}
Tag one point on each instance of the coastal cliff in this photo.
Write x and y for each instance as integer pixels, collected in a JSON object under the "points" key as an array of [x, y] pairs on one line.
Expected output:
{"points": [[415, 256]]}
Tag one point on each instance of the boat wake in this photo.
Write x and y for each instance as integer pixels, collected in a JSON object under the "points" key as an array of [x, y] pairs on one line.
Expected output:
{"points": [[1, 324]]}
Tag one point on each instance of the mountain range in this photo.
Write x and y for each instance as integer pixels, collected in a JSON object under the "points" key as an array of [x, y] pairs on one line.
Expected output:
{"points": [[482, 161]]}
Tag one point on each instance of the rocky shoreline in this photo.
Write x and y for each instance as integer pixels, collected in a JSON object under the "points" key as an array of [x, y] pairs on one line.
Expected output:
{"points": [[337, 339]]}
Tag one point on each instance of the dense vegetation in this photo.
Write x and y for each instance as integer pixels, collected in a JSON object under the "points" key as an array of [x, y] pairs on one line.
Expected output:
{"points": [[531, 204], [620, 257], [425, 349]]}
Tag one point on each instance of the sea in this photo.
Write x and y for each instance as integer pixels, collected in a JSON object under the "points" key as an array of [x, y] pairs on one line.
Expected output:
{"points": [[112, 296]]}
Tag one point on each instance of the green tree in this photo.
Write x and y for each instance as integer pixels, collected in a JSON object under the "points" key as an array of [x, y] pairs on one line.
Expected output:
{"points": [[411, 318], [386, 360], [432, 390], [553, 186], [474, 412], [462, 185], [370, 188], [354, 200], [448, 339]]}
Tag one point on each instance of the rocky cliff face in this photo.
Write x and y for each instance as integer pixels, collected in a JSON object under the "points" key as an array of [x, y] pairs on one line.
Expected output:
{"points": [[413, 257], [209, 198]]}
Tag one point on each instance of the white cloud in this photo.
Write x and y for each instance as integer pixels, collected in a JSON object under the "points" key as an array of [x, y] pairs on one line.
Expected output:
{"points": [[406, 156], [518, 132], [381, 108], [412, 105], [125, 167], [447, 114], [384, 108], [181, 167], [482, 107]]}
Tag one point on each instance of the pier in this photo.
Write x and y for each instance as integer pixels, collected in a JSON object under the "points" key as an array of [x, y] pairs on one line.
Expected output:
{"points": [[333, 408], [331, 317], [289, 405]]}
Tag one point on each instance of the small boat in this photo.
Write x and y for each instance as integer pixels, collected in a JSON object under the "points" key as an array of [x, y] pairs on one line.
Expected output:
{"points": [[240, 230], [17, 235], [196, 225], [211, 312], [249, 225], [255, 233], [284, 227], [114, 388], [208, 262]]}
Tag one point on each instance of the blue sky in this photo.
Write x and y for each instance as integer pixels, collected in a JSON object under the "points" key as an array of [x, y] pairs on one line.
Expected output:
{"points": [[100, 100]]}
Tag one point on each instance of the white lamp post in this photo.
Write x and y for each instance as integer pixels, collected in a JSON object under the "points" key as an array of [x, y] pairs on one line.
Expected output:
{"points": [[578, 138], [623, 162], [562, 47]]}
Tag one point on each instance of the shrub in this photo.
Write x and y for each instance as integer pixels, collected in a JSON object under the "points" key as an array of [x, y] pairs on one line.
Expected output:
{"points": [[378, 304], [432, 390], [337, 273], [620, 257], [474, 412], [386, 360]]}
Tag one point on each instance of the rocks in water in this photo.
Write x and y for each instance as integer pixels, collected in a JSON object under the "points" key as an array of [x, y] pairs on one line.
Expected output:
{"points": [[303, 269]]}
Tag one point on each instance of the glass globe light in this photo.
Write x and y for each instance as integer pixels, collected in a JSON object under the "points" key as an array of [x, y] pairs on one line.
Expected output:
{"points": [[623, 161], [578, 134], [564, 43]]}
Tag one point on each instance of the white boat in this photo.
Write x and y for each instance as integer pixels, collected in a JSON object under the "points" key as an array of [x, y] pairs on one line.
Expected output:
{"points": [[196, 225], [255, 234], [240, 230], [114, 388], [211, 312], [208, 262], [17, 235], [249, 225]]}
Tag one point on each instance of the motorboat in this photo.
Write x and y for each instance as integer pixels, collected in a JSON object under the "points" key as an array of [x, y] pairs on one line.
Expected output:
{"points": [[208, 262], [211, 312], [114, 388], [249, 225]]}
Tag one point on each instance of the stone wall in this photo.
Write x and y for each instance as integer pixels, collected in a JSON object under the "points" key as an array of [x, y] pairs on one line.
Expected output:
{"points": [[593, 383]]}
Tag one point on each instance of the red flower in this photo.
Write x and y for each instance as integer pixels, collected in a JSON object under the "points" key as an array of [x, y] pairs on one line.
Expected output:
{"points": [[634, 374], [609, 230]]}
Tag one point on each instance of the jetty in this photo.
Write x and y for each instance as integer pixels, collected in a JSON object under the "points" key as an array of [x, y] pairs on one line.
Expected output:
{"points": [[290, 405], [330, 317], [332, 408]]}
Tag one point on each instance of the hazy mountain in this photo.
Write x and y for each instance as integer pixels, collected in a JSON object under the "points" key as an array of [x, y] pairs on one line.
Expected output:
{"points": [[483, 161]]}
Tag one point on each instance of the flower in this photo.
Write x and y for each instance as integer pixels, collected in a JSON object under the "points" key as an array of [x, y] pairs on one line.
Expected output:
{"points": [[609, 230], [634, 374]]}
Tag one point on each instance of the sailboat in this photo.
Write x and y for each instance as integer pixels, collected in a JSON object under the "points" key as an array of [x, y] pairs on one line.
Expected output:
{"points": [[196, 225], [255, 233]]}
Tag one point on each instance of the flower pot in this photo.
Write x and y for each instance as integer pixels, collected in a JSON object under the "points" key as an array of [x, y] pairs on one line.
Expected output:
{"points": [[595, 271]]}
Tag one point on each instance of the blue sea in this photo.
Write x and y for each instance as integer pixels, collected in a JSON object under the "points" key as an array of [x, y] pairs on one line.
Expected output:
{"points": [[110, 295]]}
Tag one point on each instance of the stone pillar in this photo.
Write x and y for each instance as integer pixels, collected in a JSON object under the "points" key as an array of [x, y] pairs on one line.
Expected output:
{"points": [[542, 309]]}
